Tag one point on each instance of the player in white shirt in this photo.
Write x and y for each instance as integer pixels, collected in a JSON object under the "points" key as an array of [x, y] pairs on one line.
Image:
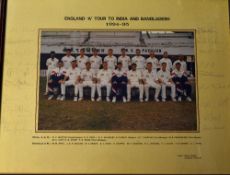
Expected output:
{"points": [[139, 60], [88, 79], [166, 60], [166, 81], [152, 59], [82, 59], [111, 60], [73, 76], [104, 80], [125, 60], [182, 63], [134, 80], [119, 83], [51, 63], [67, 59], [151, 80], [183, 87], [56, 77], [95, 61]]}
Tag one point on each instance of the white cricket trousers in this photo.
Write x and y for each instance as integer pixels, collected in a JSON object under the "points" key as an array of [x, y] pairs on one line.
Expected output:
{"points": [[154, 85], [48, 73], [87, 84], [104, 84], [173, 89], [69, 83], [137, 85]]}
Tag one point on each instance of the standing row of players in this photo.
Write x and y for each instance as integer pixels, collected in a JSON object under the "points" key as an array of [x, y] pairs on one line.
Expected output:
{"points": [[96, 60], [120, 81]]}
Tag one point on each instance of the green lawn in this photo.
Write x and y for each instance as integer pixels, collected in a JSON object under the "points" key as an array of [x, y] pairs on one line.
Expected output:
{"points": [[104, 116]]}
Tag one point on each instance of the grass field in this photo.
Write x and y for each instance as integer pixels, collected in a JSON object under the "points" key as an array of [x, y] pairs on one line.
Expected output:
{"points": [[104, 116]]}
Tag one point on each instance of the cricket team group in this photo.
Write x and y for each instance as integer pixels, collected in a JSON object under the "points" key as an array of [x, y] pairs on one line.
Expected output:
{"points": [[118, 75]]}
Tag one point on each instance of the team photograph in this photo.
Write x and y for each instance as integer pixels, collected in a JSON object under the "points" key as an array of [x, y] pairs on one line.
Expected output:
{"points": [[117, 81]]}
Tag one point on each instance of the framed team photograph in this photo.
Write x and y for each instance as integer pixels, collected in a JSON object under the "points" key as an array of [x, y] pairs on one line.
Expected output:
{"points": [[117, 81], [114, 87]]}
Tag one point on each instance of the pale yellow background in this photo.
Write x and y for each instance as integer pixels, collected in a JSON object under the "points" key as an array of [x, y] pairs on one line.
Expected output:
{"points": [[25, 17]]}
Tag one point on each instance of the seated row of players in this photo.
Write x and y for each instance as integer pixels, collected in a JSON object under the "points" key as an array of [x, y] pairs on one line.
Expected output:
{"points": [[96, 61], [119, 82]]}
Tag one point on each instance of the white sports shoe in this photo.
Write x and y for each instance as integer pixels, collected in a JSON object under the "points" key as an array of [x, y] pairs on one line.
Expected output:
{"points": [[173, 99], [146, 99], [128, 100], [141, 100], [46, 93], [99, 99], [59, 97], [50, 97], [92, 99], [179, 99], [80, 99], [62, 98], [157, 100], [75, 99], [107, 99], [114, 100], [124, 100], [163, 100], [189, 99]]}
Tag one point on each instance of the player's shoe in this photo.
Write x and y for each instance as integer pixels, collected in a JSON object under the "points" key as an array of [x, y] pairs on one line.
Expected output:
{"points": [[141, 100], [173, 99], [128, 100], [107, 99], [179, 99], [124, 100], [99, 99], [50, 97], [75, 98], [59, 97], [157, 100], [189, 99], [146, 99], [45, 94], [62, 98], [92, 99], [80, 99], [114, 100], [163, 100]]}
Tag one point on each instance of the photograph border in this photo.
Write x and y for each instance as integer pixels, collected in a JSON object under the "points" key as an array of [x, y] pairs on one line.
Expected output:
{"points": [[40, 30]]}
